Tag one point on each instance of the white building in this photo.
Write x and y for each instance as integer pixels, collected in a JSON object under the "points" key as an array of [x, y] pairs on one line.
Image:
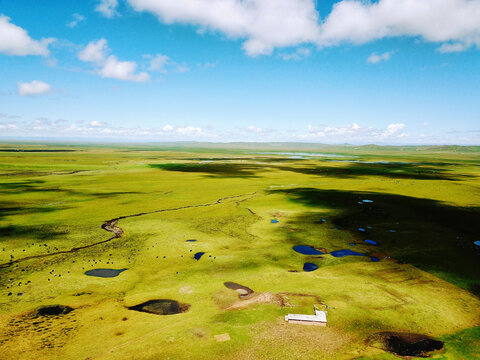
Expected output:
{"points": [[320, 318]]}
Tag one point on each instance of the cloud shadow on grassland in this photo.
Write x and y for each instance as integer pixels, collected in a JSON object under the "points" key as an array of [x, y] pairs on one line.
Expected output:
{"points": [[429, 234]]}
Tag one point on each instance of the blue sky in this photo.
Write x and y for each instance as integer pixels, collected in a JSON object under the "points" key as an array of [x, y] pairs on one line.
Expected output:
{"points": [[388, 71]]}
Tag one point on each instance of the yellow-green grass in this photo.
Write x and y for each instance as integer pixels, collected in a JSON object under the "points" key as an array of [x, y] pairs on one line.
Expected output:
{"points": [[426, 282]]}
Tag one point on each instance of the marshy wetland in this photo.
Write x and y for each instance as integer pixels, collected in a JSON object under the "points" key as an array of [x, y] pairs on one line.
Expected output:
{"points": [[154, 252]]}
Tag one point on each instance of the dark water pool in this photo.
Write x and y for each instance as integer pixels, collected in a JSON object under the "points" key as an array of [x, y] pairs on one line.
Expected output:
{"points": [[198, 255], [348, 252], [306, 250], [161, 307], [309, 267], [104, 273], [191, 240], [345, 252]]}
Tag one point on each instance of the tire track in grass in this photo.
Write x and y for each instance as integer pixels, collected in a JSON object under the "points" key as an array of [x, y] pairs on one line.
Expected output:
{"points": [[111, 226]]}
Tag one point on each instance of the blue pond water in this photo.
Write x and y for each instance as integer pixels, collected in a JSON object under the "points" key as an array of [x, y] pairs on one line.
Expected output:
{"points": [[191, 240], [104, 273], [351, 244], [348, 252], [345, 252], [476, 243], [198, 255], [274, 221], [309, 267], [361, 229], [371, 242], [306, 250], [367, 201]]}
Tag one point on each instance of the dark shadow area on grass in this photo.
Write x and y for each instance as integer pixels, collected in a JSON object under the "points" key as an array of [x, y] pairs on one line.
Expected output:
{"points": [[391, 170], [219, 170], [43, 232], [14, 208], [35, 150], [429, 234]]}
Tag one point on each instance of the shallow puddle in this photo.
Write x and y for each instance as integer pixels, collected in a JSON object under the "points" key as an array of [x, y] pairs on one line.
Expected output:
{"points": [[198, 255], [372, 242], [274, 221], [306, 250], [345, 252], [348, 252], [161, 307], [309, 267], [104, 273]]}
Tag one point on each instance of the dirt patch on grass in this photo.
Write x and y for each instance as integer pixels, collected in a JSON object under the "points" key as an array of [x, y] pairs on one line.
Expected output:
{"points": [[257, 299], [277, 340], [406, 344]]}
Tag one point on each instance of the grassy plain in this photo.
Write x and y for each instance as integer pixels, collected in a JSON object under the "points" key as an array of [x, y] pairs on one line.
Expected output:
{"points": [[424, 215]]}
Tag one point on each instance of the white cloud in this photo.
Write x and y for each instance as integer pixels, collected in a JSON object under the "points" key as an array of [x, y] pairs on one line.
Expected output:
{"points": [[358, 22], [354, 132], [33, 88], [159, 62], [375, 58], [299, 54], [107, 8], [164, 64], [122, 70], [110, 67], [15, 41], [95, 51], [77, 18], [455, 47], [263, 24]]}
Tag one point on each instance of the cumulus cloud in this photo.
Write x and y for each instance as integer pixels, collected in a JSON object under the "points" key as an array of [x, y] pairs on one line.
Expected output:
{"points": [[358, 22], [108, 66], [122, 70], [95, 51], [15, 41], [298, 54], [375, 58], [77, 18], [107, 8], [263, 24], [164, 64], [44, 127], [455, 47], [33, 88], [354, 132]]}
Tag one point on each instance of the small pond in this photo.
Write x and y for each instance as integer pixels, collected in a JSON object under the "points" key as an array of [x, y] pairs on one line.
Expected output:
{"points": [[274, 221], [104, 273], [306, 250], [348, 252], [161, 307], [198, 255], [372, 242], [309, 267]]}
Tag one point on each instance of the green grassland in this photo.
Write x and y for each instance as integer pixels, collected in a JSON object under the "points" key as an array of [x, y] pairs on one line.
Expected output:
{"points": [[425, 216]]}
